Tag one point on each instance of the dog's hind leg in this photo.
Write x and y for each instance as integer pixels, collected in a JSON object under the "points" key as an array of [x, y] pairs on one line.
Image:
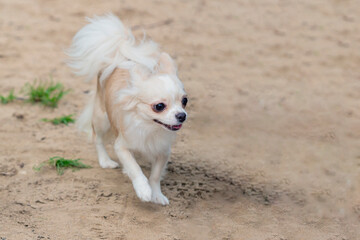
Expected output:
{"points": [[101, 126]]}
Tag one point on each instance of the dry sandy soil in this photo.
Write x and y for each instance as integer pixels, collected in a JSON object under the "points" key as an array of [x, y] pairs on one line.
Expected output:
{"points": [[271, 149]]}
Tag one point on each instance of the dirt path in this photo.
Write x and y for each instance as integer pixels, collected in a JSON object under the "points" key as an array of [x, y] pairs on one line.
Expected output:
{"points": [[271, 150]]}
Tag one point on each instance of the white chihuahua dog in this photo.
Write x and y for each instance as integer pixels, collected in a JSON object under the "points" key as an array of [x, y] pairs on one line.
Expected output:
{"points": [[139, 98]]}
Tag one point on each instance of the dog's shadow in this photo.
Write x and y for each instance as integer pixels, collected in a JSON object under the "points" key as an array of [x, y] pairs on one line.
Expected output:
{"points": [[191, 182]]}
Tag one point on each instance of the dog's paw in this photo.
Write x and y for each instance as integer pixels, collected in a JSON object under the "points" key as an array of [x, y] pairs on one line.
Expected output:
{"points": [[159, 198], [142, 188], [108, 163]]}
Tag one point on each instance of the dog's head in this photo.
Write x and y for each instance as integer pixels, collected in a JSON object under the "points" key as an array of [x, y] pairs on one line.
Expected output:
{"points": [[160, 98]]}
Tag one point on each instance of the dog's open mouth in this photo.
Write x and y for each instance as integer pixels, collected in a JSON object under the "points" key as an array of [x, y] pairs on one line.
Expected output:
{"points": [[170, 127]]}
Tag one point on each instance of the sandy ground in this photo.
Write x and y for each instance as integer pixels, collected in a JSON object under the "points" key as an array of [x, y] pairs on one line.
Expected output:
{"points": [[271, 149]]}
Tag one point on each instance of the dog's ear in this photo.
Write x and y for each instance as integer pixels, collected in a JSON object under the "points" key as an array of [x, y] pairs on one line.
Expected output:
{"points": [[166, 64], [139, 73]]}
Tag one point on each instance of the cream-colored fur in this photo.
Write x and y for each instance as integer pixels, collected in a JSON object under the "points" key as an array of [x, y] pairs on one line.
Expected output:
{"points": [[132, 80]]}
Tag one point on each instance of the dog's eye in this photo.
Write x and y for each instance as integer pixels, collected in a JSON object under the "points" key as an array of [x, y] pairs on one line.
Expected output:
{"points": [[184, 101], [159, 107]]}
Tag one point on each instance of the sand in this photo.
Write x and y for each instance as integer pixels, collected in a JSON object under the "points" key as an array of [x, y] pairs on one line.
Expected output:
{"points": [[271, 149]]}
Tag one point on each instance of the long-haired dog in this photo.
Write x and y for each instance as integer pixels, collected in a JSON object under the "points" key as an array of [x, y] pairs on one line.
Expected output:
{"points": [[139, 98]]}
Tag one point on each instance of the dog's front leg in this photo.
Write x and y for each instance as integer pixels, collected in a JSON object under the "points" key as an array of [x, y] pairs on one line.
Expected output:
{"points": [[157, 169], [133, 170]]}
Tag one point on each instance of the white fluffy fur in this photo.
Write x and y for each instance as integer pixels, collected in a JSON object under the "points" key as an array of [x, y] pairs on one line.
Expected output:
{"points": [[83, 122], [102, 46], [106, 44], [97, 50]]}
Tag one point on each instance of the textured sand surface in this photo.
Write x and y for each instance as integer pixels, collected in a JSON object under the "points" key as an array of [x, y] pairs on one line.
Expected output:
{"points": [[271, 149]]}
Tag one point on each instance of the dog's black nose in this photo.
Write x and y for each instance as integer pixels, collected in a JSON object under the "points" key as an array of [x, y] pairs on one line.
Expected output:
{"points": [[181, 117]]}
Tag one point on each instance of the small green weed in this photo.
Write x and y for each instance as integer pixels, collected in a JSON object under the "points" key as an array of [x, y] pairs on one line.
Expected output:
{"points": [[11, 97], [66, 119], [61, 164], [47, 93]]}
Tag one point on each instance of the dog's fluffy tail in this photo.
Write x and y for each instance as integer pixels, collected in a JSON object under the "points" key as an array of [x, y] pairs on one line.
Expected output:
{"points": [[105, 44]]}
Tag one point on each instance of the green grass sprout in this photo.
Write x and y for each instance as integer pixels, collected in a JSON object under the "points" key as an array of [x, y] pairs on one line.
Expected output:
{"points": [[66, 119], [47, 93], [61, 164], [11, 97]]}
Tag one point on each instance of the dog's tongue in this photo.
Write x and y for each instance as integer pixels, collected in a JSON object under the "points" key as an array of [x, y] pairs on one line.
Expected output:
{"points": [[176, 127]]}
